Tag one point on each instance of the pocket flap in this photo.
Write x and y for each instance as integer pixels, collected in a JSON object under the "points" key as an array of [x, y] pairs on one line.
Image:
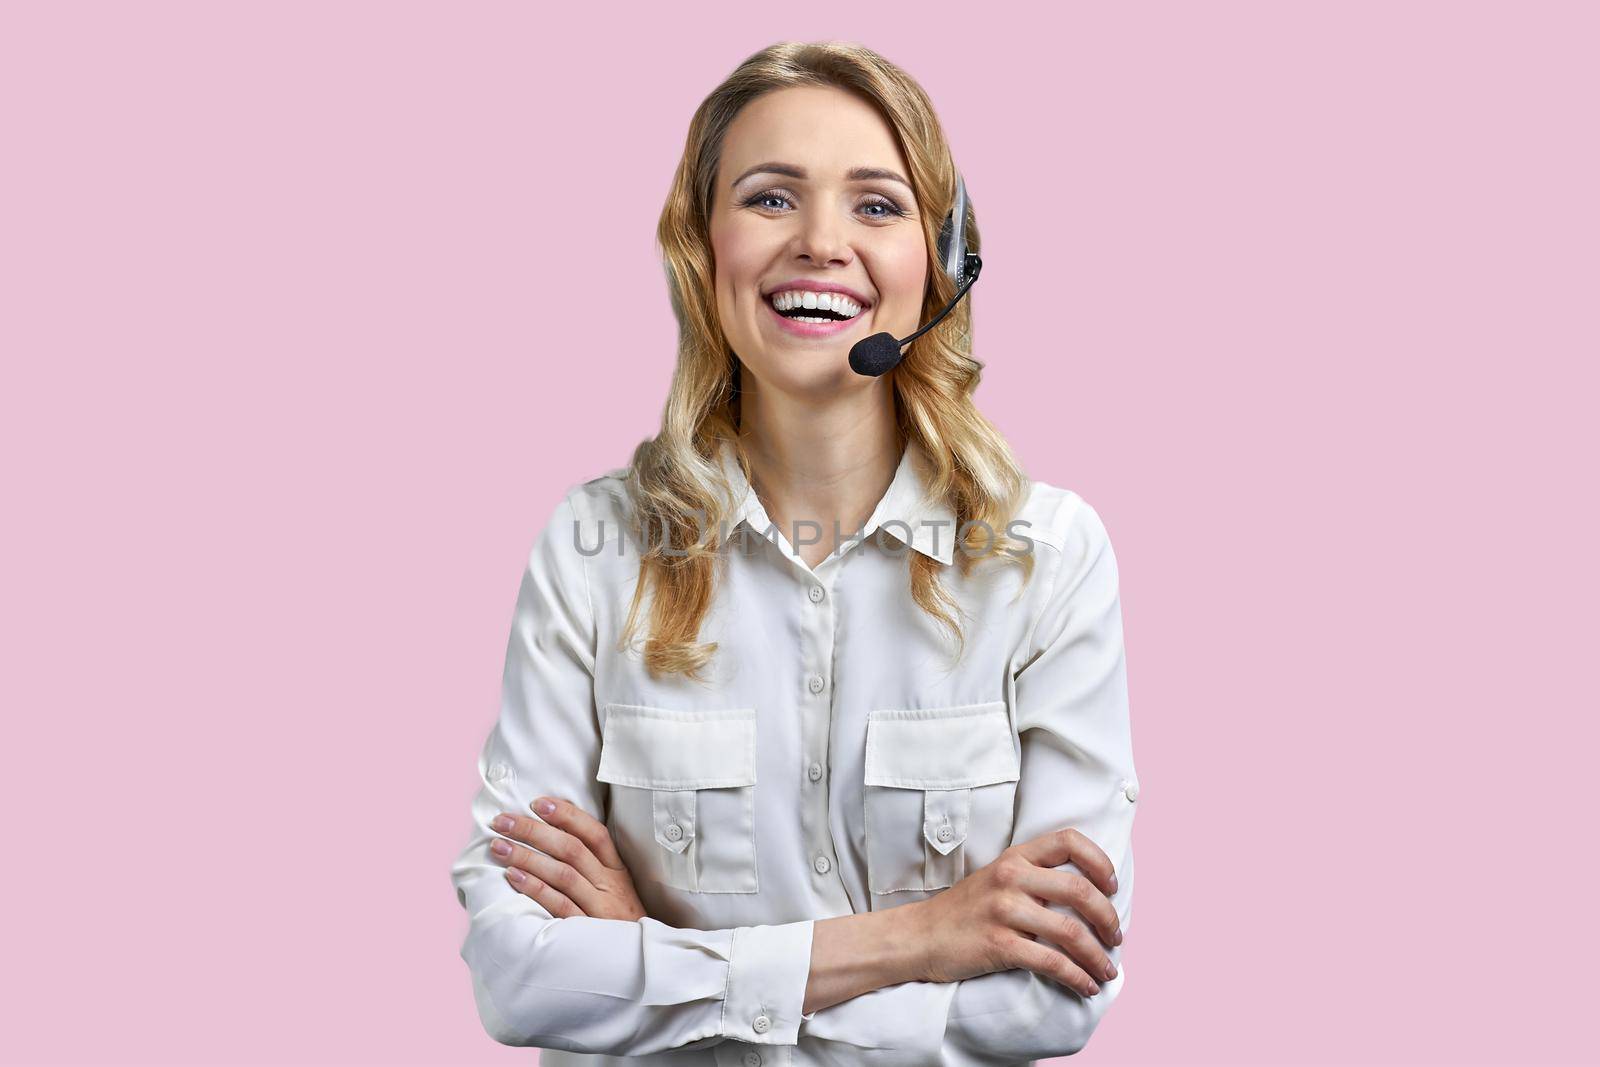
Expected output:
{"points": [[945, 815], [941, 748], [658, 748], [674, 811]]}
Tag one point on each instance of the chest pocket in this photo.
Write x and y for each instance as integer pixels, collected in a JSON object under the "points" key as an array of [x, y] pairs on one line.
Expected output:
{"points": [[683, 795], [938, 793]]}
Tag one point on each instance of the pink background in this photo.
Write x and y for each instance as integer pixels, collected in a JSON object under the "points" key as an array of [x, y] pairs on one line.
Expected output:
{"points": [[311, 311]]}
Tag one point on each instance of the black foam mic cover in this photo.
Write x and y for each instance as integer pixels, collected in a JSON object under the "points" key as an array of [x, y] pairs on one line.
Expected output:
{"points": [[875, 355]]}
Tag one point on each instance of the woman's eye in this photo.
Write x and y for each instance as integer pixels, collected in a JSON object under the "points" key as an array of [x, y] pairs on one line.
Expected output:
{"points": [[762, 200], [889, 208]]}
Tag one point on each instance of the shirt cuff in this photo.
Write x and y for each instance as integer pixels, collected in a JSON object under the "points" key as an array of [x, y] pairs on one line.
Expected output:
{"points": [[767, 978], [904, 1021]]}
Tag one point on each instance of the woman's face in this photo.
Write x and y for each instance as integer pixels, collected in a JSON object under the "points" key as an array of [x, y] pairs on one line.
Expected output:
{"points": [[811, 190]]}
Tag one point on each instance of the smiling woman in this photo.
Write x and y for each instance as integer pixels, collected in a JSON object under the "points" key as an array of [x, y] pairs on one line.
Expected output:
{"points": [[851, 799]]}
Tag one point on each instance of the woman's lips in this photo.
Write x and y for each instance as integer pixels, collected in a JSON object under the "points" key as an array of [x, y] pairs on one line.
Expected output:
{"points": [[813, 329]]}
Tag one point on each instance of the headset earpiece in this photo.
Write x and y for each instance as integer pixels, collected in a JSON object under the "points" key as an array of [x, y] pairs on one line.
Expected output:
{"points": [[952, 247]]}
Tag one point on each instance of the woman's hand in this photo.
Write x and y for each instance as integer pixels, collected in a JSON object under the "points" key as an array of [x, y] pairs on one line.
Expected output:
{"points": [[981, 924], [573, 867]]}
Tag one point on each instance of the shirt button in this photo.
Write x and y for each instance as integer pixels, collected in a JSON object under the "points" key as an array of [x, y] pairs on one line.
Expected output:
{"points": [[814, 771], [752, 1059], [945, 833], [674, 832], [816, 683], [761, 1024], [816, 594], [1130, 790], [822, 865]]}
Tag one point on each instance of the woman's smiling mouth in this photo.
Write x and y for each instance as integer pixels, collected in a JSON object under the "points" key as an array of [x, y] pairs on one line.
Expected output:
{"points": [[821, 311]]}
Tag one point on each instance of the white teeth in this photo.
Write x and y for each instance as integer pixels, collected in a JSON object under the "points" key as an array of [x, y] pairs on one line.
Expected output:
{"points": [[836, 302]]}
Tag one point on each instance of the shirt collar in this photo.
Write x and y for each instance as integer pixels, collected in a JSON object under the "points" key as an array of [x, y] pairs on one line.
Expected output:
{"points": [[906, 511]]}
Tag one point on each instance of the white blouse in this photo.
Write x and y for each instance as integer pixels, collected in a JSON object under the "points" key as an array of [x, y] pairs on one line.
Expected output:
{"points": [[835, 764]]}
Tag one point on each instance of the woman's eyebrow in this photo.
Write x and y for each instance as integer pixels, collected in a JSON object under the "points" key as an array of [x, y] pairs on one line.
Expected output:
{"points": [[856, 174]]}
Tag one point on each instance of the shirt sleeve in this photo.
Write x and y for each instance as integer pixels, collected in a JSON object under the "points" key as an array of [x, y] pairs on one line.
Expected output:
{"points": [[583, 984], [1071, 703]]}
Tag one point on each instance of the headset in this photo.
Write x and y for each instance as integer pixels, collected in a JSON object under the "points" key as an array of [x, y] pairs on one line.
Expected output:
{"points": [[881, 352], [953, 240]]}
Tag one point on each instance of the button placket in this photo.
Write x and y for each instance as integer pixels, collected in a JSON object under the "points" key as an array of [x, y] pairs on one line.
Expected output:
{"points": [[819, 627]]}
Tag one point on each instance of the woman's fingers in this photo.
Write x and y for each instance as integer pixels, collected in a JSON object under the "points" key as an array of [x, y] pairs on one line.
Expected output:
{"points": [[1066, 931], [552, 841], [1070, 845], [1042, 959], [564, 872], [581, 825], [559, 876], [584, 842], [1079, 894], [554, 901]]}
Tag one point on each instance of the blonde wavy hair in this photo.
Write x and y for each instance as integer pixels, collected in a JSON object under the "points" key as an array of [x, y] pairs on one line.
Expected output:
{"points": [[674, 484]]}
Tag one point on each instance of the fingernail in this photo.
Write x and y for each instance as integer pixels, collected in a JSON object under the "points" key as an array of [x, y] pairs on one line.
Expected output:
{"points": [[1093, 989], [503, 822], [1111, 971], [515, 875], [544, 806], [1119, 935], [1113, 883], [501, 848]]}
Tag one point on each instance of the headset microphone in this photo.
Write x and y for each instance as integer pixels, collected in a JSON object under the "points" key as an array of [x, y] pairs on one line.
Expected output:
{"points": [[880, 353]]}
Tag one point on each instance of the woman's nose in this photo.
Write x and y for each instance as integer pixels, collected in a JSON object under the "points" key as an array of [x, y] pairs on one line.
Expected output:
{"points": [[822, 240]]}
